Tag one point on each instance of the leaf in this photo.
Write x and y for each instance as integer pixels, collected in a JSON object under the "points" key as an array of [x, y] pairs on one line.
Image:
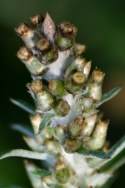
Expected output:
{"points": [[23, 129], [27, 154], [33, 144], [45, 120], [35, 180], [41, 172], [49, 28], [116, 157], [109, 95], [99, 179], [99, 154], [23, 105]]}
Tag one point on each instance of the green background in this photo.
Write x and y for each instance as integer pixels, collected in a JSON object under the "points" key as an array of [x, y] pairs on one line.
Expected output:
{"points": [[101, 26]]}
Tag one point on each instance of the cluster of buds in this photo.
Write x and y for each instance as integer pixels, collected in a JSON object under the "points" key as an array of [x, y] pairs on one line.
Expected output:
{"points": [[44, 42], [66, 93]]}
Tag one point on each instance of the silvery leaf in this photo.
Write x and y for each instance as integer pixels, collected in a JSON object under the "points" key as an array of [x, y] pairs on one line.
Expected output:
{"points": [[23, 105], [109, 95]]}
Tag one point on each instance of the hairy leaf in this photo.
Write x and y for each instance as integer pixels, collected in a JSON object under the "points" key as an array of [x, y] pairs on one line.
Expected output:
{"points": [[45, 121], [41, 172], [23, 129], [35, 180], [23, 105], [27, 154], [116, 157], [109, 95]]}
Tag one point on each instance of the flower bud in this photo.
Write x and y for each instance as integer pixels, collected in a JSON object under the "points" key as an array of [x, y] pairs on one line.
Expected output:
{"points": [[67, 28], [76, 126], [89, 124], [46, 134], [50, 56], [78, 78], [72, 145], [24, 54], [63, 108], [98, 76], [23, 29], [35, 20], [59, 133], [62, 174], [43, 44], [36, 121], [80, 63], [56, 87], [44, 101], [86, 104], [79, 49], [95, 91], [98, 138], [52, 146], [27, 34], [63, 43], [31, 62], [36, 86]]}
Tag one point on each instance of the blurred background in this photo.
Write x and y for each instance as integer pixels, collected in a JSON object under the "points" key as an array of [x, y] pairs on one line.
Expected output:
{"points": [[101, 27]]}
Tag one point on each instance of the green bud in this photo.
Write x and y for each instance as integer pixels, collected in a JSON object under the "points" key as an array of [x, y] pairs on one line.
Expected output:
{"points": [[76, 126], [56, 87], [72, 86], [50, 56], [48, 133], [62, 175], [63, 108], [63, 42]]}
